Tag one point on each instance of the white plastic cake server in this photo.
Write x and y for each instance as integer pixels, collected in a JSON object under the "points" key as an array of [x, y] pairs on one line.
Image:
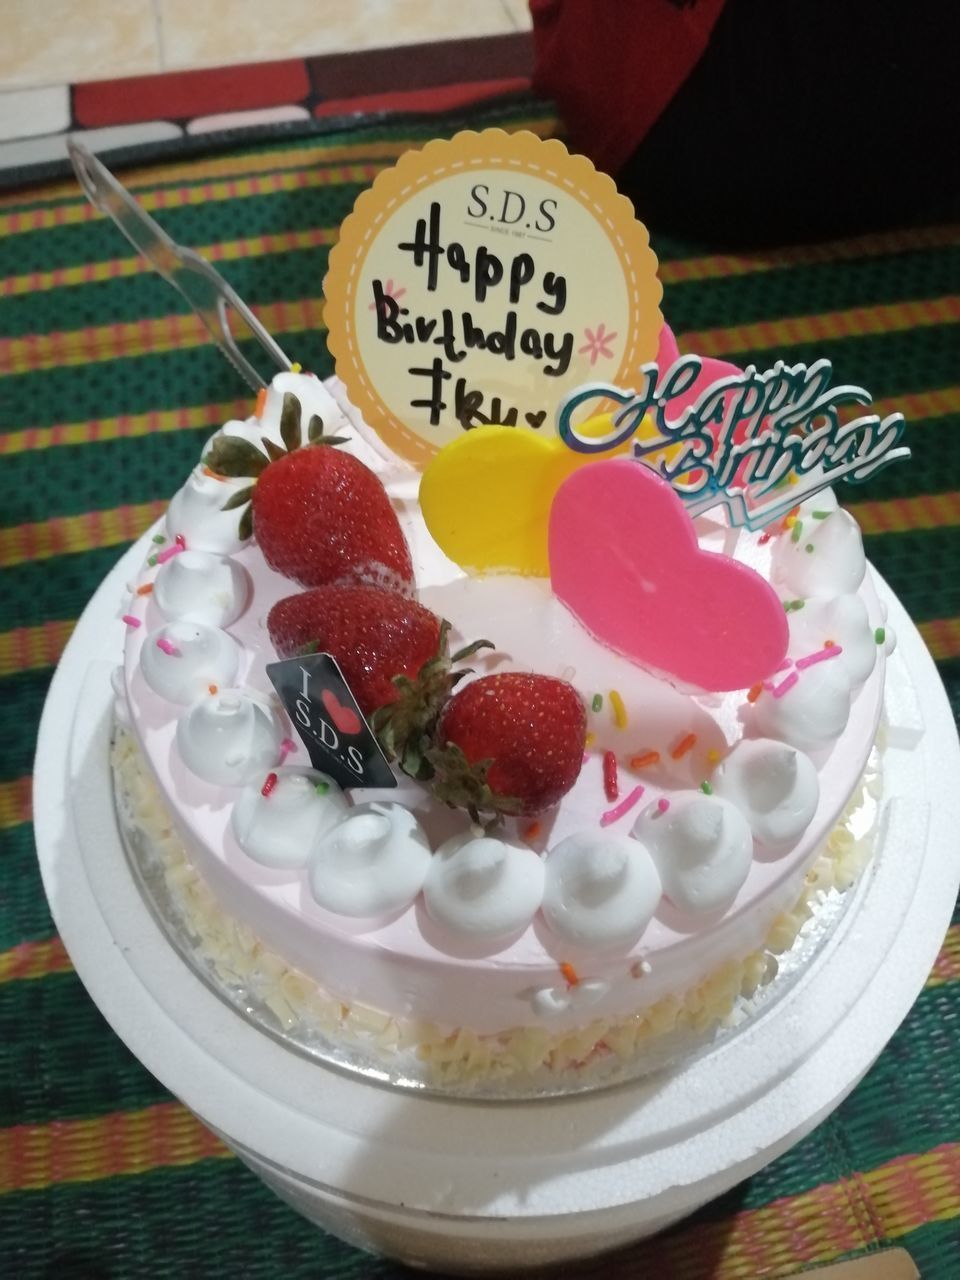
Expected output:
{"points": [[191, 275]]}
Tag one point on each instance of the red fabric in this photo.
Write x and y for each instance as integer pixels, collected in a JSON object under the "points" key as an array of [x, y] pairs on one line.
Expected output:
{"points": [[182, 94], [612, 66]]}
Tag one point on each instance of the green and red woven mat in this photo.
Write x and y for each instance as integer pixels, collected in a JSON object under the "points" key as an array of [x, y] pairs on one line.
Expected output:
{"points": [[108, 390]]}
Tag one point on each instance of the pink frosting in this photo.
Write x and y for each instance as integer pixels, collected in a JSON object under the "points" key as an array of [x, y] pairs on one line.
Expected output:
{"points": [[409, 965]]}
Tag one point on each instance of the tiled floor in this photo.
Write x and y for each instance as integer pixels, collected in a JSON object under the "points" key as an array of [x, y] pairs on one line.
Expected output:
{"points": [[128, 73], [55, 42]]}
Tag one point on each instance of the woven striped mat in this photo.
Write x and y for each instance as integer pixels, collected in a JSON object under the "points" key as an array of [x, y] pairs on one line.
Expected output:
{"points": [[108, 391]]}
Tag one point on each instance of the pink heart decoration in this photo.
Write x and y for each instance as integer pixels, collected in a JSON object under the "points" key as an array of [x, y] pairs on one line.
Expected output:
{"points": [[344, 718], [624, 560]]}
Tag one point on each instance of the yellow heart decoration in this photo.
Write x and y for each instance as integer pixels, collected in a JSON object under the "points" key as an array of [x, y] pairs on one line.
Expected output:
{"points": [[486, 496]]}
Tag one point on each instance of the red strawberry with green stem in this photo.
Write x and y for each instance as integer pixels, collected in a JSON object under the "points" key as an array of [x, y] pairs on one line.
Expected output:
{"points": [[509, 743], [320, 516], [393, 655]]}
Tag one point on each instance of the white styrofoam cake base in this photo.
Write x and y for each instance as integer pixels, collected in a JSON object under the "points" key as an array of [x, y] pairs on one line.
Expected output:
{"points": [[467, 1185]]}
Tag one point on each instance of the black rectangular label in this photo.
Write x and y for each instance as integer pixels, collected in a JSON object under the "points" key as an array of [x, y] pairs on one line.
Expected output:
{"points": [[325, 714]]}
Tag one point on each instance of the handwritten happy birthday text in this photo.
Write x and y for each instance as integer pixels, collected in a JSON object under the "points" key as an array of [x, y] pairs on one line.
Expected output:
{"points": [[456, 331]]}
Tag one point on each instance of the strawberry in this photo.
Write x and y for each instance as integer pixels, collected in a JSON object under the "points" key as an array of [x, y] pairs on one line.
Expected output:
{"points": [[320, 516], [391, 650], [509, 743]]}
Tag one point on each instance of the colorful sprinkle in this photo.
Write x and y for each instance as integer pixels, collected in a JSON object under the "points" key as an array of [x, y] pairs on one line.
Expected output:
{"points": [[793, 478], [570, 974], [169, 553], [787, 662], [214, 475], [130, 620], [261, 404], [287, 747], [212, 690], [181, 541], [619, 710], [611, 782], [590, 739], [791, 606], [785, 685], [797, 531], [808, 548], [269, 784], [145, 589], [789, 522], [713, 756], [533, 831], [625, 805], [151, 561], [663, 804], [597, 703], [706, 788], [685, 744], [296, 367], [828, 651], [159, 539], [755, 693], [322, 788], [880, 635], [820, 515], [828, 644], [168, 647], [763, 539], [644, 759]]}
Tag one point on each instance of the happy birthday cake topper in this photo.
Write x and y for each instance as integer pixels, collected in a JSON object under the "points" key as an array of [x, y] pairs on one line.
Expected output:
{"points": [[481, 279], [744, 437]]}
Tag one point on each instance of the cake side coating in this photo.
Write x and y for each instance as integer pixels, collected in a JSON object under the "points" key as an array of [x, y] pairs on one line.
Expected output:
{"points": [[598, 1050]]}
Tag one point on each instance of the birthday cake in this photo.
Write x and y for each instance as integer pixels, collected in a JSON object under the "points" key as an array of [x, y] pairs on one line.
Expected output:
{"points": [[482, 723], [631, 851]]}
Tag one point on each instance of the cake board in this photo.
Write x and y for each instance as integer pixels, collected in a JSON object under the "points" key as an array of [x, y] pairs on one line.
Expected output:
{"points": [[477, 1186]]}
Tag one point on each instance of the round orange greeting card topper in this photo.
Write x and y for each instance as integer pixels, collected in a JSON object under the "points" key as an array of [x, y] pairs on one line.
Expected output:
{"points": [[481, 279]]}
